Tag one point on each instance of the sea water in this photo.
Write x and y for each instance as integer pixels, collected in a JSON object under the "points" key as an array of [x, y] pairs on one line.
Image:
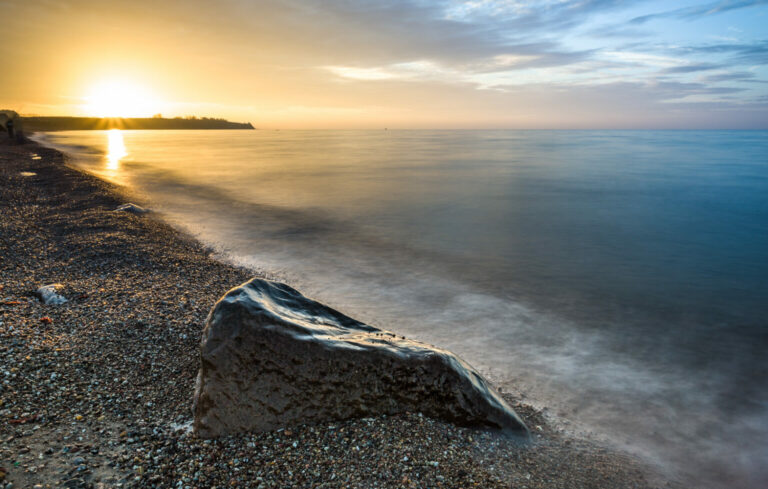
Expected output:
{"points": [[618, 279]]}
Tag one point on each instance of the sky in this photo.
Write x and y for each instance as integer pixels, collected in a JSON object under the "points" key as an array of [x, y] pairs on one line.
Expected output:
{"points": [[556, 64]]}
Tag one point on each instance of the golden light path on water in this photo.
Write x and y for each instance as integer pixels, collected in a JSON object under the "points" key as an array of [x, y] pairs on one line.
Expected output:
{"points": [[115, 149]]}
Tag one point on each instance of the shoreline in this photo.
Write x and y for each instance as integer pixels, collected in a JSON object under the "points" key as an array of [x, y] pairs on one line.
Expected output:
{"points": [[91, 397]]}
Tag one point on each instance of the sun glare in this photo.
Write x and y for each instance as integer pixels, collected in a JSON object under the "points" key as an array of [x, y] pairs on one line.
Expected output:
{"points": [[116, 98]]}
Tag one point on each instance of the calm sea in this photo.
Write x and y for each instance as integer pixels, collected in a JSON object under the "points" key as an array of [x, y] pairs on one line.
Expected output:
{"points": [[617, 278]]}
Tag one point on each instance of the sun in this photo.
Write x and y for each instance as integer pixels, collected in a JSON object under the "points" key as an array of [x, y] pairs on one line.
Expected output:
{"points": [[119, 98]]}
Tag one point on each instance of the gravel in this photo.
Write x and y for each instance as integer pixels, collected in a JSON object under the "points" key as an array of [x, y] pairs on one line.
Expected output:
{"points": [[96, 392]]}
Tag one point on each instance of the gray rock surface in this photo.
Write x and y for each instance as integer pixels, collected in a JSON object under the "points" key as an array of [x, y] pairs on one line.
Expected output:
{"points": [[49, 294], [272, 358]]}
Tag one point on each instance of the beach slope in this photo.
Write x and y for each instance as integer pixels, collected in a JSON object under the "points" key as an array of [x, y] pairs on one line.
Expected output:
{"points": [[97, 391]]}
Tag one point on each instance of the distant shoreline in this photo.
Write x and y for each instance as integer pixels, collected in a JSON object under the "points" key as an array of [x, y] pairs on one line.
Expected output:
{"points": [[46, 124]]}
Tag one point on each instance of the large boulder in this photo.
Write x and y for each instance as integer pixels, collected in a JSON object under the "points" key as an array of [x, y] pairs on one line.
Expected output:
{"points": [[272, 358]]}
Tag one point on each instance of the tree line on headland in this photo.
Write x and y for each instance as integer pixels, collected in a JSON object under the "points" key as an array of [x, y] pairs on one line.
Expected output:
{"points": [[44, 123]]}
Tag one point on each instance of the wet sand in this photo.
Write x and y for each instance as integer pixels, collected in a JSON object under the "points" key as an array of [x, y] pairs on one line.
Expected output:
{"points": [[97, 392]]}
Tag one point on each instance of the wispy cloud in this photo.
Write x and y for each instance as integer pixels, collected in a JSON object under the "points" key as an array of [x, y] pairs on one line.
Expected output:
{"points": [[693, 67], [699, 11], [411, 71], [742, 76], [749, 53]]}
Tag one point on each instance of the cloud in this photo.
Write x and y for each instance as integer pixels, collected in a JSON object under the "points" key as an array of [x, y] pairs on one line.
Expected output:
{"points": [[696, 12], [752, 53], [644, 59], [420, 70], [355, 73], [532, 15], [742, 76], [508, 46], [693, 67]]}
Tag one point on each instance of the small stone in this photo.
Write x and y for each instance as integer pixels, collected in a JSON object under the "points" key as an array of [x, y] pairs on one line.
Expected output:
{"points": [[132, 208], [49, 294]]}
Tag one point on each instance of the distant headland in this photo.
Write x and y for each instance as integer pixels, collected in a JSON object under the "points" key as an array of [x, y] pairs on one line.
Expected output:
{"points": [[42, 123]]}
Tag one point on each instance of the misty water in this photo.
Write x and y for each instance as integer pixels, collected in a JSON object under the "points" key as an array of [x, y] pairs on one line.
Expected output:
{"points": [[618, 279]]}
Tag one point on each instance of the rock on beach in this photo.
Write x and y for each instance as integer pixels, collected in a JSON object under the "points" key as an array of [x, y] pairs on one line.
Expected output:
{"points": [[272, 358], [48, 294], [132, 208]]}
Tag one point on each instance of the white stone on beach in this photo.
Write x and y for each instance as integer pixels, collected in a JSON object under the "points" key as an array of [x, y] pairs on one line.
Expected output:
{"points": [[129, 207], [49, 295]]}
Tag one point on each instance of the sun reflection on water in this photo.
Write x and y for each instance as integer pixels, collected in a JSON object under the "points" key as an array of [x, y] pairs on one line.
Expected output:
{"points": [[116, 149]]}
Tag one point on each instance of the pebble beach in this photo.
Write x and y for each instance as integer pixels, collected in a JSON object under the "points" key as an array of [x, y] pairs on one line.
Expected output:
{"points": [[97, 392]]}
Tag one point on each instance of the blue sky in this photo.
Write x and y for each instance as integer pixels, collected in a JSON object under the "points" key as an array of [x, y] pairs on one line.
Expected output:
{"points": [[405, 63], [694, 51]]}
